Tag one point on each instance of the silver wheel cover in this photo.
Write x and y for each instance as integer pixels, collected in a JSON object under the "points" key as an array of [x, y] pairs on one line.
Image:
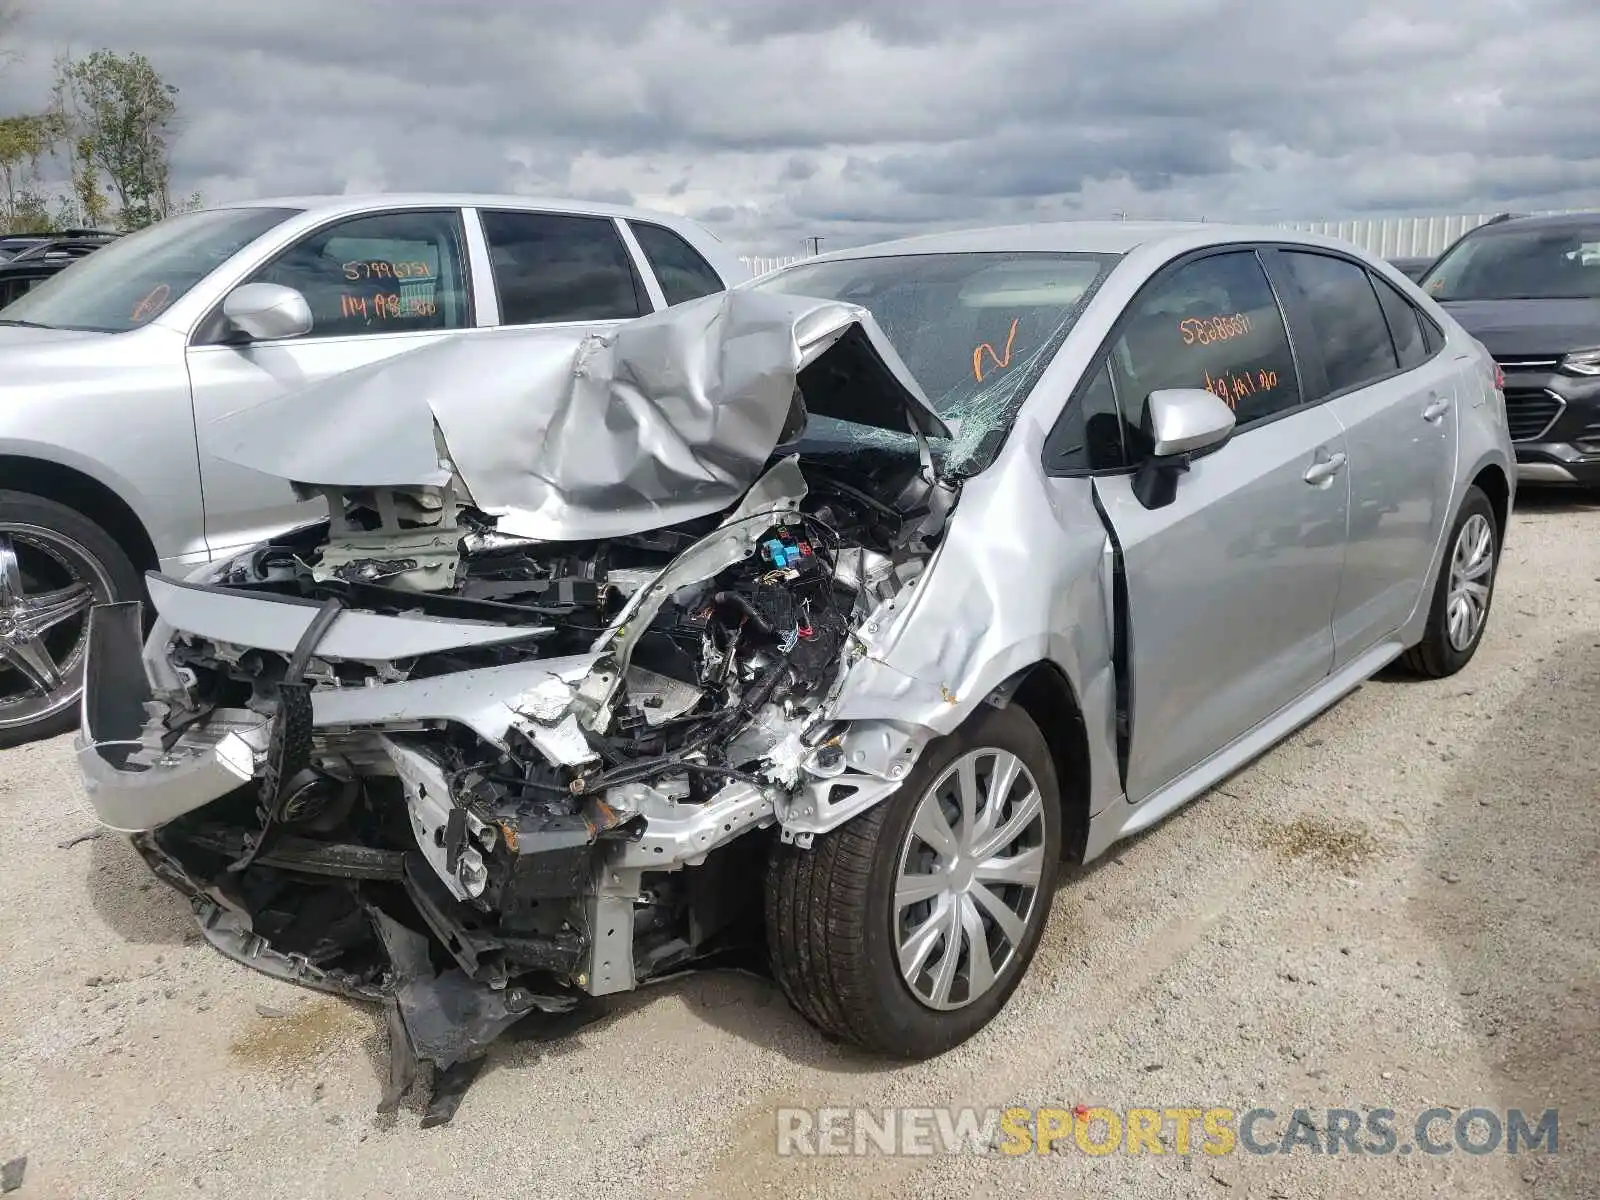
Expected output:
{"points": [[967, 880]]}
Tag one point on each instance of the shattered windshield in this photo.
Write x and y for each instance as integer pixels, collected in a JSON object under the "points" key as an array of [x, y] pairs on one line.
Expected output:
{"points": [[975, 330]]}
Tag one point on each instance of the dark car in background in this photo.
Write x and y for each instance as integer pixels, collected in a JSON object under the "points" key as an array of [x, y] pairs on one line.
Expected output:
{"points": [[1528, 288], [27, 260], [1412, 268]]}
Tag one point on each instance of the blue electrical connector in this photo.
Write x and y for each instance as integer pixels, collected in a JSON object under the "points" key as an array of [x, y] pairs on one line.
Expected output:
{"points": [[779, 554]]}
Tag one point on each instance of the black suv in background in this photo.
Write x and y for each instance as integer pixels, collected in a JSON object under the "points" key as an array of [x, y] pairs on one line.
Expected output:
{"points": [[1528, 288], [27, 259]]}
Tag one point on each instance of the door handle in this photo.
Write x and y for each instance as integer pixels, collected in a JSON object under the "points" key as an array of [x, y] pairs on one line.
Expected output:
{"points": [[1325, 469], [1437, 407]]}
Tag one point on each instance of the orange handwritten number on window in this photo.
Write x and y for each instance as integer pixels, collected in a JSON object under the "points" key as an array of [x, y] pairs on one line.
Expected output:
{"points": [[1002, 361], [152, 302]]}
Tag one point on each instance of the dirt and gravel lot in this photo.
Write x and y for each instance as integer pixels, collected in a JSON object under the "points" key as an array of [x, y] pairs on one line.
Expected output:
{"points": [[1399, 908]]}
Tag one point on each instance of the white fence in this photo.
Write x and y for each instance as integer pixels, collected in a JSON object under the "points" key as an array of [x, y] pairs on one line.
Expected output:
{"points": [[1401, 237], [1388, 237], [760, 264]]}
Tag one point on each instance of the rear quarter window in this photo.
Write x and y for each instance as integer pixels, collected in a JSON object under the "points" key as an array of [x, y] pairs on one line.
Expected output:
{"points": [[681, 270], [1405, 325]]}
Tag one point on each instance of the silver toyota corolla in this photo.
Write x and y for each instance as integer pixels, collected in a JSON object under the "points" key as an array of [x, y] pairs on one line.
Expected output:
{"points": [[834, 612]]}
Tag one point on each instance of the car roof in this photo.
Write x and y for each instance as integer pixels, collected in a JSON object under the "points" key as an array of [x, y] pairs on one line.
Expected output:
{"points": [[333, 205], [1079, 237], [1557, 222]]}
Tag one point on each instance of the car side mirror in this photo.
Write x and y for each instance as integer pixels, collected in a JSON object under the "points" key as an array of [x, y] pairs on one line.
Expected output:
{"points": [[266, 312], [1181, 422]]}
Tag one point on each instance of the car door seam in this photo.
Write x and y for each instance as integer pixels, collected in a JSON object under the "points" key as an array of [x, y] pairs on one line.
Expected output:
{"points": [[1120, 635]]}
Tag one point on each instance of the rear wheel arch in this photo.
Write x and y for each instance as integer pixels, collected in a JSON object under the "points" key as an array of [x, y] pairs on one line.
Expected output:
{"points": [[86, 495], [1493, 483], [1436, 654]]}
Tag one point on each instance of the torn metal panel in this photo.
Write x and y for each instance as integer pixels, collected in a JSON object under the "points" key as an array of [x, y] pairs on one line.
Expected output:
{"points": [[933, 651], [488, 700], [772, 501], [567, 435], [278, 624]]}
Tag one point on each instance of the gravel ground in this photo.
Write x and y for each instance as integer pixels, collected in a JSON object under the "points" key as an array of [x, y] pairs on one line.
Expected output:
{"points": [[1397, 908]]}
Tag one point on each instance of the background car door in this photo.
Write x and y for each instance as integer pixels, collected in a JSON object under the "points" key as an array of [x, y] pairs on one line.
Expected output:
{"points": [[1230, 589], [1368, 354], [378, 285], [556, 268]]}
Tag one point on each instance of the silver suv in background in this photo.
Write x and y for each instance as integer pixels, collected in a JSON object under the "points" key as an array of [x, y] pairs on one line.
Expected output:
{"points": [[111, 373]]}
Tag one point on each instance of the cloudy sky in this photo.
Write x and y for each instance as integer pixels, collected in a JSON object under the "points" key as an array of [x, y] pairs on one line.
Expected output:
{"points": [[852, 120]]}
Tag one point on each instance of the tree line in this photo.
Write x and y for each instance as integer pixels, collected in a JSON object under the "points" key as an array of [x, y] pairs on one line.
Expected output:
{"points": [[96, 153]]}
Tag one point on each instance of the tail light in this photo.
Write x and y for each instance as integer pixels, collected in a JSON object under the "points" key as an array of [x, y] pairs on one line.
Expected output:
{"points": [[1499, 378]]}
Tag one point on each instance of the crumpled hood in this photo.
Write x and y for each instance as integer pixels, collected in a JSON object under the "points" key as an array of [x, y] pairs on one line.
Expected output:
{"points": [[572, 434]]}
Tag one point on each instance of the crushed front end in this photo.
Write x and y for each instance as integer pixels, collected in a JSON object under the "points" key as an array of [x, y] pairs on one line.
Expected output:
{"points": [[503, 733], [502, 778]]}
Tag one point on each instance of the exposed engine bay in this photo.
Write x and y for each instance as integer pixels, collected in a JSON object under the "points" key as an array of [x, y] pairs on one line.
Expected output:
{"points": [[517, 724], [593, 843]]}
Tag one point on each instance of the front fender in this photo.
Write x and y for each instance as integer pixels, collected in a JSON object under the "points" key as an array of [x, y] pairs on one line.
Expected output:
{"points": [[997, 598]]}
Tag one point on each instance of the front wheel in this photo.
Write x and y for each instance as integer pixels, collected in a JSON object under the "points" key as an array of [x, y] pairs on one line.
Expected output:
{"points": [[54, 564], [1459, 610], [906, 930]]}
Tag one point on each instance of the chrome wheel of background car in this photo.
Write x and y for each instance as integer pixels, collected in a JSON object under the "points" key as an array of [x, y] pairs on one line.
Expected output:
{"points": [[1471, 567], [47, 584], [969, 872]]}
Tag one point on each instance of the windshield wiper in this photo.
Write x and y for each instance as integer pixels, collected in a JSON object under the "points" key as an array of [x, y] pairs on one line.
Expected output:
{"points": [[25, 324]]}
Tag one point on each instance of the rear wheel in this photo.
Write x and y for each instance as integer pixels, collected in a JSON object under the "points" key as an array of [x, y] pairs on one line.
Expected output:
{"points": [[906, 930], [1459, 612], [54, 564]]}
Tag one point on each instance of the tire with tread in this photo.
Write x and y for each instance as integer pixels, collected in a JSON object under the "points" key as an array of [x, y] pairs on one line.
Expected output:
{"points": [[25, 508], [828, 908], [1434, 657]]}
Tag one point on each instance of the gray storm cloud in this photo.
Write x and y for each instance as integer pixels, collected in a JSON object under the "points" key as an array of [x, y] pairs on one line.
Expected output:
{"points": [[853, 121]]}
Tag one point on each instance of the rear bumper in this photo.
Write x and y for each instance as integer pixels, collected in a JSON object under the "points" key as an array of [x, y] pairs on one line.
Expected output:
{"points": [[133, 783]]}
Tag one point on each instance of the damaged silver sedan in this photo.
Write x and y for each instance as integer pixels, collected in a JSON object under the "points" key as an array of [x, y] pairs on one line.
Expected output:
{"points": [[832, 614]]}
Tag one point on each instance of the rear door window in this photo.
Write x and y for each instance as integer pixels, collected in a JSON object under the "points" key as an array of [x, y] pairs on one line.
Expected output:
{"points": [[551, 267], [395, 272], [679, 267], [1346, 318], [1211, 323]]}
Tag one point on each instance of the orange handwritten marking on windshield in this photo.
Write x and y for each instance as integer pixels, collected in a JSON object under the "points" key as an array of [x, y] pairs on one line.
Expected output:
{"points": [[377, 268], [1232, 387], [1001, 361], [153, 302]]}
